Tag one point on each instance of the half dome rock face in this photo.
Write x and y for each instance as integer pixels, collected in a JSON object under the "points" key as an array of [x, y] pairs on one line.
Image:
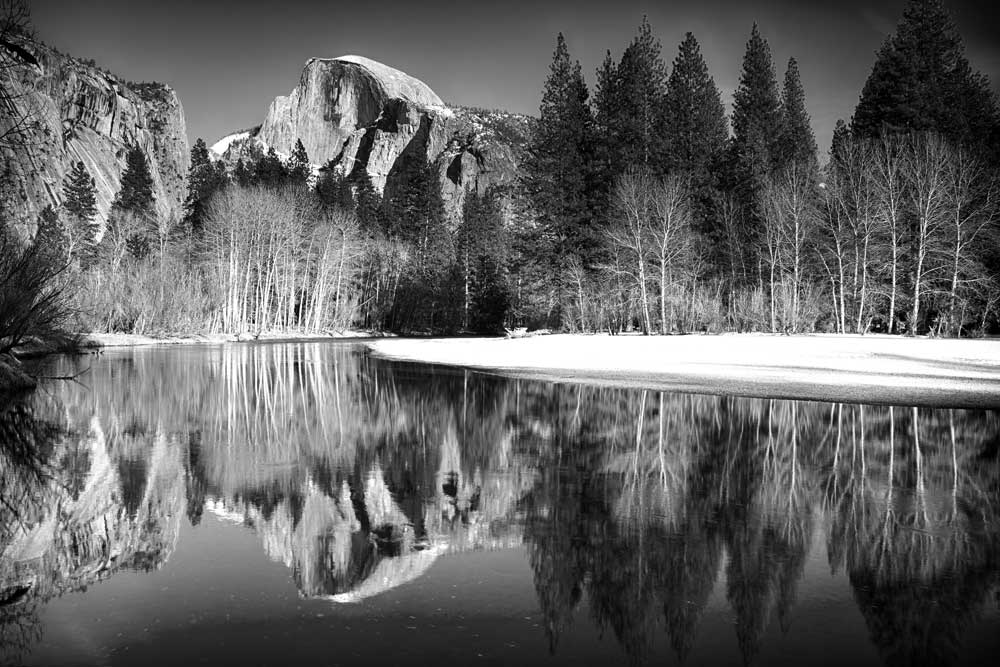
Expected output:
{"points": [[80, 113], [397, 84], [336, 97], [366, 116]]}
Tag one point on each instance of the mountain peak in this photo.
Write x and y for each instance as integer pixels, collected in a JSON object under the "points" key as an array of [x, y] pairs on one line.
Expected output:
{"points": [[396, 83]]}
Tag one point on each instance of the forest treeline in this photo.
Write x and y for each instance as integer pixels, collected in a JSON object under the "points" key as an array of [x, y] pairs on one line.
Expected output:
{"points": [[654, 216], [640, 206]]}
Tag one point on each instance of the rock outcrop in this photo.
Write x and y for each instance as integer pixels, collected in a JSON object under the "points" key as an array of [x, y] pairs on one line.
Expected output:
{"points": [[367, 116], [78, 112]]}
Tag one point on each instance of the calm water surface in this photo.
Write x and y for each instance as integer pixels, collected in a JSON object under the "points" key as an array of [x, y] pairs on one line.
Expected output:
{"points": [[308, 504]]}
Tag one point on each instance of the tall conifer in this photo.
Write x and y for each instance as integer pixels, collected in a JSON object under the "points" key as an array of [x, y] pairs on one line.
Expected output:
{"points": [[136, 193], [755, 143], [607, 161], [695, 128], [203, 180], [332, 189], [756, 110], [79, 195], [51, 236], [560, 160], [298, 164], [642, 86], [797, 144], [922, 81], [269, 171], [368, 202]]}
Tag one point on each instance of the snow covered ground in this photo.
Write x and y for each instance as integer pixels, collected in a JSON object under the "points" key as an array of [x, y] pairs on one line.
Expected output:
{"points": [[862, 369]]}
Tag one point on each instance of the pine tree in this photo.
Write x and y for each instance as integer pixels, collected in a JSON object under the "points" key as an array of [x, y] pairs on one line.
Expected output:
{"points": [[368, 202], [332, 189], [415, 215], [560, 160], [607, 161], [481, 257], [269, 171], [797, 144], [79, 195], [51, 236], [204, 179], [642, 87], [756, 110], [754, 146], [696, 137], [841, 134], [922, 81], [298, 164], [415, 211], [136, 193], [221, 174], [241, 174], [695, 129], [80, 226]]}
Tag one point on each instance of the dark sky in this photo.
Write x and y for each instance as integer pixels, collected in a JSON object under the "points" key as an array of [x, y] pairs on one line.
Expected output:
{"points": [[228, 60]]}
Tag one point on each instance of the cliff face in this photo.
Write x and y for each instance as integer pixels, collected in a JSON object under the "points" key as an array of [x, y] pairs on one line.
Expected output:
{"points": [[367, 116], [81, 113]]}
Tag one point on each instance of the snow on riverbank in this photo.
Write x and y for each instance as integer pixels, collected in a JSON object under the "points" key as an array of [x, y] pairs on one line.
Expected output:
{"points": [[870, 369]]}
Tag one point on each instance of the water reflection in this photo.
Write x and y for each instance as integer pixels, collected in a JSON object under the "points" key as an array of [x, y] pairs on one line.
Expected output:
{"points": [[358, 475]]}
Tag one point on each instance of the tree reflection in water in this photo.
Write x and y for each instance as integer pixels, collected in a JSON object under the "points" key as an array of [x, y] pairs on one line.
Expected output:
{"points": [[359, 474]]}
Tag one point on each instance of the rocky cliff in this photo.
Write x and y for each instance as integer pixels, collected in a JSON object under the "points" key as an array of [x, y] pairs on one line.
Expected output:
{"points": [[79, 112], [367, 116]]}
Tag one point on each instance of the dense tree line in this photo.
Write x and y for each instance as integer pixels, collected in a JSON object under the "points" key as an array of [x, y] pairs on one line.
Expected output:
{"points": [[664, 221], [640, 207], [270, 245]]}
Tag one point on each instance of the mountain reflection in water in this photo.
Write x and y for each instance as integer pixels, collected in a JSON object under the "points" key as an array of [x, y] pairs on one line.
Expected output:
{"points": [[358, 475]]}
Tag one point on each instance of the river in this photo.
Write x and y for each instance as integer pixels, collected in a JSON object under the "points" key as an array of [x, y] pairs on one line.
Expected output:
{"points": [[307, 503]]}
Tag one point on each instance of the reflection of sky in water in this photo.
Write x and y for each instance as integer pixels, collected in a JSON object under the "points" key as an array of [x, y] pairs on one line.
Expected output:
{"points": [[252, 504]]}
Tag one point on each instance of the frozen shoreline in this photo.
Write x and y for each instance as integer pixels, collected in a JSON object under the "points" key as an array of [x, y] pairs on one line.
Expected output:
{"points": [[841, 368]]}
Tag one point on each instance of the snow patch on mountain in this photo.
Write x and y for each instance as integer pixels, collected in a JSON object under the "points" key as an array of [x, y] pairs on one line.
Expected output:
{"points": [[220, 147]]}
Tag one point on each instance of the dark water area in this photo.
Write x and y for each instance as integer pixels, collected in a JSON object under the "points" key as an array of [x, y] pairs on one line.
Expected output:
{"points": [[305, 503]]}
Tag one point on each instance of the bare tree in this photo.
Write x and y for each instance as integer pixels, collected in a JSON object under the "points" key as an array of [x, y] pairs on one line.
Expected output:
{"points": [[832, 248], [576, 280], [633, 195], [33, 299], [731, 218], [670, 235], [788, 203], [276, 263], [16, 36], [851, 225], [971, 203], [332, 265], [928, 165], [890, 193]]}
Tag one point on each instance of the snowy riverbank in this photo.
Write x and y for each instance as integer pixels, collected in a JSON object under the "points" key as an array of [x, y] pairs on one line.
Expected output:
{"points": [[869, 369]]}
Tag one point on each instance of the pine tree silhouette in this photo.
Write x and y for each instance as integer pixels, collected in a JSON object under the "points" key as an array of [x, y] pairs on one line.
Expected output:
{"points": [[136, 193]]}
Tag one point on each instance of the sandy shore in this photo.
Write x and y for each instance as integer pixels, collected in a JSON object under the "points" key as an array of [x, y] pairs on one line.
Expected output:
{"points": [[869, 369]]}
